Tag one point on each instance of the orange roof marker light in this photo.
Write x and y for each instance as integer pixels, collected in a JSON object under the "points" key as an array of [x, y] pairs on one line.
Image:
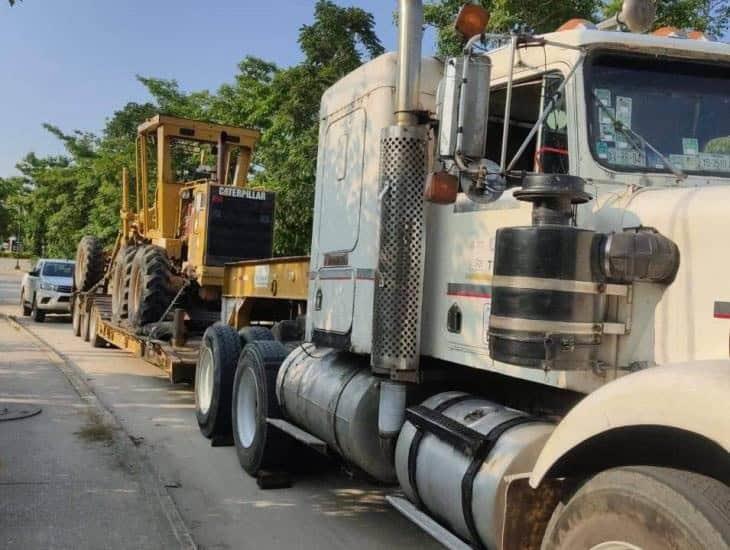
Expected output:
{"points": [[471, 21], [698, 35], [577, 24], [670, 32]]}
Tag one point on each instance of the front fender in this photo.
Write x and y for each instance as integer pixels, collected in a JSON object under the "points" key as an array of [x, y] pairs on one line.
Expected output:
{"points": [[694, 397]]}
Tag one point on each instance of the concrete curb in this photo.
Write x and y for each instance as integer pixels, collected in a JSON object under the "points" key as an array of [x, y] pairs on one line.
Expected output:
{"points": [[148, 473]]}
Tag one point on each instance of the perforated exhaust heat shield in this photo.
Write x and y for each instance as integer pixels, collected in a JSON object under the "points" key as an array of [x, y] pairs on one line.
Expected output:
{"points": [[402, 248]]}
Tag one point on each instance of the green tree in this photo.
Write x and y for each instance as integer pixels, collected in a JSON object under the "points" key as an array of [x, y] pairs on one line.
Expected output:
{"points": [[710, 16], [537, 15]]}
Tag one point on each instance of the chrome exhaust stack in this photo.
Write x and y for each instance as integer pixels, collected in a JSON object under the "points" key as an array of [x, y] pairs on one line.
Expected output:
{"points": [[402, 243]]}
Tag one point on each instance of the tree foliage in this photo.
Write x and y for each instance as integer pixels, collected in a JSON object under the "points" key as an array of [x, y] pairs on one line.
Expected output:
{"points": [[712, 16], [58, 199]]}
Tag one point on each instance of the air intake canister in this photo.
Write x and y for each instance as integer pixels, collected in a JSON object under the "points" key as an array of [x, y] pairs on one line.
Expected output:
{"points": [[547, 304]]}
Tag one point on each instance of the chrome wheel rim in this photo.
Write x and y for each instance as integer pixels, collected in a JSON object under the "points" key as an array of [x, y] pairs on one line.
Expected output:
{"points": [[204, 381], [246, 405]]}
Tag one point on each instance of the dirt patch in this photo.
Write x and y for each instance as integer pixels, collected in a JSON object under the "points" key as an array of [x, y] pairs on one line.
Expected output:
{"points": [[96, 431]]}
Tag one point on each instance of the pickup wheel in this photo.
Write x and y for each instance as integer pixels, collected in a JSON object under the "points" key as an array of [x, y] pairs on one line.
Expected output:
{"points": [[24, 305], [150, 286], [643, 507], [38, 315], [214, 380], [89, 263], [258, 445], [121, 276]]}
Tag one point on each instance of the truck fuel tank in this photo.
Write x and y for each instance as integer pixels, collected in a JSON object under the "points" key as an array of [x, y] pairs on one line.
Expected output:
{"points": [[452, 456], [334, 396]]}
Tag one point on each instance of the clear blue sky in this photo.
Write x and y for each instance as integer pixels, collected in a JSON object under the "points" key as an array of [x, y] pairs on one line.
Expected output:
{"points": [[73, 62]]}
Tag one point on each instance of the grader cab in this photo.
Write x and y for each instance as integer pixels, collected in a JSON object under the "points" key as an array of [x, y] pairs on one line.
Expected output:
{"points": [[191, 213]]}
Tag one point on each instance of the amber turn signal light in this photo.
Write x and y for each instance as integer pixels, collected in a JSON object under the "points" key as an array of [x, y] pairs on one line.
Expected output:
{"points": [[472, 20], [441, 188]]}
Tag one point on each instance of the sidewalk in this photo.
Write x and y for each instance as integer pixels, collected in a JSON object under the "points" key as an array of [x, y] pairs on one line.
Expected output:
{"points": [[67, 479]]}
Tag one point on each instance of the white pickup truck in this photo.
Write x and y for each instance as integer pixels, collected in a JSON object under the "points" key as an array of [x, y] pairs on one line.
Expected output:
{"points": [[47, 288]]}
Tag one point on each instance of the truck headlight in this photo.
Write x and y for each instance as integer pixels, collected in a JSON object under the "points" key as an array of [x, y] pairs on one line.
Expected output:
{"points": [[48, 286]]}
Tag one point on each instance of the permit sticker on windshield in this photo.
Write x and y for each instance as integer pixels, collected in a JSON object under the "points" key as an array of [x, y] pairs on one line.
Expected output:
{"points": [[607, 132], [710, 162], [685, 162], [690, 146], [623, 110], [604, 96], [602, 150]]}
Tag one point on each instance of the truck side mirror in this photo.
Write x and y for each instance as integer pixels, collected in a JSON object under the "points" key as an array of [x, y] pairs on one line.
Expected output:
{"points": [[464, 107]]}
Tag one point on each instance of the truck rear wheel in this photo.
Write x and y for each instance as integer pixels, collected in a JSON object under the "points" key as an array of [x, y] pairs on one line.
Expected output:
{"points": [[150, 286], [643, 507], [258, 445], [89, 267], [121, 275], [214, 380]]}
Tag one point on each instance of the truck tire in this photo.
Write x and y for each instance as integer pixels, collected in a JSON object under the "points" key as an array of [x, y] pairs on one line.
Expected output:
{"points": [[121, 275], [253, 333], [214, 379], [94, 339], [24, 305], [645, 507], [38, 315], [89, 267], [288, 330], [150, 286], [76, 316], [258, 445]]}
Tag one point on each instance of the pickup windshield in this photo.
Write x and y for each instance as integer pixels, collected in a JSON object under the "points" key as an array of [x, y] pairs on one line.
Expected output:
{"points": [[57, 269], [682, 108]]}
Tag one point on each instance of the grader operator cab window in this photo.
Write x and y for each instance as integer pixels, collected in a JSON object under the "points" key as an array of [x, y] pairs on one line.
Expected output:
{"points": [[548, 151]]}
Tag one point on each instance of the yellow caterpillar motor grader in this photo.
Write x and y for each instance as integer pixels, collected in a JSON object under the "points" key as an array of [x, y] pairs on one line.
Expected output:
{"points": [[171, 254]]}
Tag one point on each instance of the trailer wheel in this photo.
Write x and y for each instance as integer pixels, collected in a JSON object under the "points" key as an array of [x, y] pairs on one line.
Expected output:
{"points": [[253, 333], [85, 322], [644, 507], [89, 267], [94, 338], [259, 447], [38, 315], [76, 316], [214, 379], [121, 275], [150, 286]]}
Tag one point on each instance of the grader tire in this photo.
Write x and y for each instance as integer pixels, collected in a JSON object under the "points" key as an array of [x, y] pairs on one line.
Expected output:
{"points": [[121, 276], [150, 286], [89, 267]]}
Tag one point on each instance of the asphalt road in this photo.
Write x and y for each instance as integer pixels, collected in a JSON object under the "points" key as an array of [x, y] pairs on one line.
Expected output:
{"points": [[220, 505]]}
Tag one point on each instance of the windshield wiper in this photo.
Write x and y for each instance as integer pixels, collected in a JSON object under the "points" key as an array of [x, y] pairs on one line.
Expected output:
{"points": [[630, 134]]}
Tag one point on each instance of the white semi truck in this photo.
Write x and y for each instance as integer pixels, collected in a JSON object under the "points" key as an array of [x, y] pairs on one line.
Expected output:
{"points": [[518, 311]]}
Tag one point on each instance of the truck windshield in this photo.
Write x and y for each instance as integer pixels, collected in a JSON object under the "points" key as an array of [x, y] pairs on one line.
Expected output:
{"points": [[680, 107], [54, 269]]}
